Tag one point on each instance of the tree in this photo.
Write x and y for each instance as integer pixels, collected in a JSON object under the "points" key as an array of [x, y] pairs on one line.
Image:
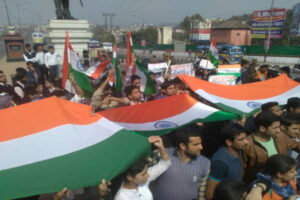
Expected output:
{"points": [[149, 34], [186, 22], [103, 34]]}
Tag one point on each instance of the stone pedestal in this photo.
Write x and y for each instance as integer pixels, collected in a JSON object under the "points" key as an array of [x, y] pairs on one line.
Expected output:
{"points": [[14, 46], [79, 34]]}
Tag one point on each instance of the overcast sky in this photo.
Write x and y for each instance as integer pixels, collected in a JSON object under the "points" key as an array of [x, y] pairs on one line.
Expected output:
{"points": [[151, 11]]}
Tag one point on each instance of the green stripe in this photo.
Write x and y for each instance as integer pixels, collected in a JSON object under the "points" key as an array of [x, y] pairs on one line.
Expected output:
{"points": [[83, 168], [118, 78], [83, 82], [149, 87], [234, 74], [234, 110], [213, 59]]}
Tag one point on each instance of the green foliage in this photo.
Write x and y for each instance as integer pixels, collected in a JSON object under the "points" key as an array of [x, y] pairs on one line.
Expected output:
{"points": [[149, 34], [103, 34], [186, 23]]}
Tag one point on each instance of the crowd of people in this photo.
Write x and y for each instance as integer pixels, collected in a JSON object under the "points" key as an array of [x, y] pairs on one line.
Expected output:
{"points": [[253, 158]]}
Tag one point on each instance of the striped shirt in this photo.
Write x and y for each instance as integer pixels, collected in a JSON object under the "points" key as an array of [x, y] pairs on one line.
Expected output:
{"points": [[182, 180]]}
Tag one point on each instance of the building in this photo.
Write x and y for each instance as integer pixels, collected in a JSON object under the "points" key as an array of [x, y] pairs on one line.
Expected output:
{"points": [[165, 35], [232, 32]]}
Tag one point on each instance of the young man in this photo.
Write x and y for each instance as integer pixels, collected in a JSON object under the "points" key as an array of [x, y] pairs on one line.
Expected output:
{"points": [[167, 89], [4, 87], [134, 94], [40, 57], [266, 141], [52, 60], [226, 163], [186, 178], [273, 107], [293, 105]]}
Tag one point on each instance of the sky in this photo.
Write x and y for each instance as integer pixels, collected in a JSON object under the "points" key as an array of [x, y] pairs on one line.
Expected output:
{"points": [[129, 12]]}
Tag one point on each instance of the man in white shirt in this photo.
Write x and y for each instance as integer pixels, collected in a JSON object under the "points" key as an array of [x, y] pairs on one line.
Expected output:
{"points": [[40, 58], [52, 60]]}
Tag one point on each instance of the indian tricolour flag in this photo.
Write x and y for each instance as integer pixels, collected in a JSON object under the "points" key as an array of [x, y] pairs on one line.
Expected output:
{"points": [[213, 54], [163, 115], [97, 70], [118, 76], [54, 143], [72, 64], [245, 99]]}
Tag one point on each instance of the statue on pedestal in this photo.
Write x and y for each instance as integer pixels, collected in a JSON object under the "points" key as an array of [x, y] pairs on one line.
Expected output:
{"points": [[62, 9]]}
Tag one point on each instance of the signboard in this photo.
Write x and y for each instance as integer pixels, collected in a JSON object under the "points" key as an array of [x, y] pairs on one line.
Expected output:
{"points": [[222, 79], [157, 67], [295, 24], [265, 20], [183, 69]]}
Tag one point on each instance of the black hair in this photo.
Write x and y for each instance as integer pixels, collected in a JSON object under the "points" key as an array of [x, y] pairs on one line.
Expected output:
{"points": [[289, 119], [27, 45], [134, 77], [269, 105], [138, 167], [183, 134], [151, 73], [279, 164], [293, 102], [166, 84], [231, 130], [265, 119], [128, 90], [51, 47], [228, 190], [1, 72], [286, 69]]}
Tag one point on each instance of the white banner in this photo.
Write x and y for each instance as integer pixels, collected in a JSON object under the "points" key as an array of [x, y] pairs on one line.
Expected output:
{"points": [[157, 67], [183, 69], [222, 79]]}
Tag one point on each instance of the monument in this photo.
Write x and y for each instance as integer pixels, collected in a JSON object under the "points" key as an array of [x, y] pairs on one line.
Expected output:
{"points": [[79, 30]]}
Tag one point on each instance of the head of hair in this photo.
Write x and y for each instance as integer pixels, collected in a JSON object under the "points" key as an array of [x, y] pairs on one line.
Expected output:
{"points": [[85, 52], [289, 119], [135, 169], [265, 119], [183, 134], [279, 164], [27, 45], [286, 69], [1, 72], [128, 90], [51, 47], [228, 190], [231, 130], [166, 84], [269, 105], [293, 102], [151, 73], [134, 77]]}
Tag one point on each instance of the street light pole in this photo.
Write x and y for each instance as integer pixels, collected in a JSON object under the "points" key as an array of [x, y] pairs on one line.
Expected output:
{"points": [[6, 9], [268, 39]]}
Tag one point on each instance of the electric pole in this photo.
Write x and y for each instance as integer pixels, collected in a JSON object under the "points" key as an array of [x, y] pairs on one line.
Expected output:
{"points": [[6, 9]]}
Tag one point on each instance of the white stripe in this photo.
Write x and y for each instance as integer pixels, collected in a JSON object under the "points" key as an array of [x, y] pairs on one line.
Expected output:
{"points": [[242, 104], [92, 69], [143, 78], [54, 142], [214, 51], [197, 111]]}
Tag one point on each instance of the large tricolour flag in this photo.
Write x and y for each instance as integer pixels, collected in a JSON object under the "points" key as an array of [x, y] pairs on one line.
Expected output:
{"points": [[213, 54], [245, 99], [72, 64], [163, 115], [54, 143]]}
